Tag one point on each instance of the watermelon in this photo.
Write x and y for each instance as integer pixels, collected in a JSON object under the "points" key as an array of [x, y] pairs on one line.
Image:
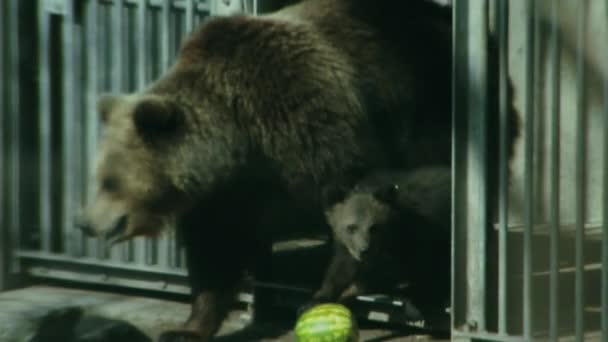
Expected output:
{"points": [[327, 323]]}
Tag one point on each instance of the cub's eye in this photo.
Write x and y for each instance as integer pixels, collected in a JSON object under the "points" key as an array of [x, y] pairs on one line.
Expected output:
{"points": [[351, 228], [109, 184]]}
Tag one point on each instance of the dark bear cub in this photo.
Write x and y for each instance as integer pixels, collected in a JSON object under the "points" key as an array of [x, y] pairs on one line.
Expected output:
{"points": [[393, 227]]}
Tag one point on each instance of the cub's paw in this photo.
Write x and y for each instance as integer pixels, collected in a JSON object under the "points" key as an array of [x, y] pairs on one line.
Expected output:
{"points": [[180, 336]]}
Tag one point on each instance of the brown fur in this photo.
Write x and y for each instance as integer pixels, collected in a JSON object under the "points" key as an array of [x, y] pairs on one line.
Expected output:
{"points": [[266, 112]]}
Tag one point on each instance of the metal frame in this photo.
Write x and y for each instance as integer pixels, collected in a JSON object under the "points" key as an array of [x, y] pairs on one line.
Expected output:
{"points": [[4, 254], [85, 42], [469, 205], [542, 136], [9, 141]]}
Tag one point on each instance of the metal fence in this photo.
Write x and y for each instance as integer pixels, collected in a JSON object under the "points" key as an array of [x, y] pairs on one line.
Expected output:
{"points": [[552, 230], [50, 128]]}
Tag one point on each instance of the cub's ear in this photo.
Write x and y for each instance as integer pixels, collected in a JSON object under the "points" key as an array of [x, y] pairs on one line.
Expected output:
{"points": [[387, 193], [106, 104], [156, 117], [333, 194]]}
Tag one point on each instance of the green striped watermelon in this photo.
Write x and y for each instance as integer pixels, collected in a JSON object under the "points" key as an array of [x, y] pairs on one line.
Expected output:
{"points": [[327, 323]]}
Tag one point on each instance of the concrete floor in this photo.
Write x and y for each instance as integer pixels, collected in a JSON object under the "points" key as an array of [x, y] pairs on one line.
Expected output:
{"points": [[20, 309]]}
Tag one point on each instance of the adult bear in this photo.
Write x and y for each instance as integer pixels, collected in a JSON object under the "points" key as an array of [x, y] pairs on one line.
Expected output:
{"points": [[256, 117]]}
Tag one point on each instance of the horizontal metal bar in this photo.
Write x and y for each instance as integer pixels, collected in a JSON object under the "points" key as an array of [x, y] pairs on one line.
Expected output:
{"points": [[456, 335], [87, 261], [101, 278], [203, 6]]}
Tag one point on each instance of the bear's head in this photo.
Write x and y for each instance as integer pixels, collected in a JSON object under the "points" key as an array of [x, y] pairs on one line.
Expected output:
{"points": [[360, 217], [139, 176], [143, 175]]}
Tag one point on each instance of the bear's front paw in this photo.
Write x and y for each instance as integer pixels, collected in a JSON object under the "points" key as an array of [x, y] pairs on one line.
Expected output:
{"points": [[180, 336]]}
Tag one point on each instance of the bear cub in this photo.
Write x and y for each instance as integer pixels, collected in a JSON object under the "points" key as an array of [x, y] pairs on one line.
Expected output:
{"points": [[392, 227]]}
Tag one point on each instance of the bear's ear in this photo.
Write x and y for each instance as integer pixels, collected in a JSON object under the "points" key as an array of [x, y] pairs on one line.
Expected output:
{"points": [[387, 193], [106, 104], [156, 117]]}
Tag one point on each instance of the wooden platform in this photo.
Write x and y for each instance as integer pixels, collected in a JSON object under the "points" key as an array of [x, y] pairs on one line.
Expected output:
{"points": [[20, 311]]}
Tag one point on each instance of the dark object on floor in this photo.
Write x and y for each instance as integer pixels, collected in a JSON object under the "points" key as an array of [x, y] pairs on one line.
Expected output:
{"points": [[71, 324]]}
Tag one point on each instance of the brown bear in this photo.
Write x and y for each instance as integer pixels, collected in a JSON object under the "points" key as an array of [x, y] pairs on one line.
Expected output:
{"points": [[257, 115], [392, 228]]}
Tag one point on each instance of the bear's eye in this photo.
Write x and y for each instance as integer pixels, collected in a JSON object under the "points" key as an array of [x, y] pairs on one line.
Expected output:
{"points": [[351, 228], [109, 184]]}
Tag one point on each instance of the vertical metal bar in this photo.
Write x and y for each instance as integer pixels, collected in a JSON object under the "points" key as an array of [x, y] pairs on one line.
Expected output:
{"points": [[503, 41], [604, 310], [555, 66], [92, 117], [44, 111], [189, 16], [476, 162], [4, 255], [528, 168], [69, 166], [78, 128], [459, 293], [165, 46], [189, 26], [165, 240], [104, 24], [119, 252], [14, 198], [604, 307], [142, 244], [470, 226], [580, 174]]}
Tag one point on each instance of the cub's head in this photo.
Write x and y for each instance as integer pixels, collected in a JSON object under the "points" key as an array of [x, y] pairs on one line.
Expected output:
{"points": [[136, 180], [360, 217]]}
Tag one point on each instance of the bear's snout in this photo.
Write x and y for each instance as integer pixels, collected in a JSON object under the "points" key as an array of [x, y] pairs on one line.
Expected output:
{"points": [[84, 225], [116, 231], [119, 229]]}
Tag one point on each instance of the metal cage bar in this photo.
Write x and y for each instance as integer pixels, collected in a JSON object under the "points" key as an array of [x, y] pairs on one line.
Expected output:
{"points": [[529, 115], [579, 200], [4, 254], [469, 163], [141, 245], [502, 12], [164, 243], [94, 246], [45, 160], [604, 262], [555, 67], [14, 136], [69, 134]]}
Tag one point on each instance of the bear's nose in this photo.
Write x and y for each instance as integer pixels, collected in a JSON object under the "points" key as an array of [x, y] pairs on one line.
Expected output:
{"points": [[84, 225]]}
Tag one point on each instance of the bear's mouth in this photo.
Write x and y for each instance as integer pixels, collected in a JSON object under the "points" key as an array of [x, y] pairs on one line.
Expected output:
{"points": [[118, 232]]}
